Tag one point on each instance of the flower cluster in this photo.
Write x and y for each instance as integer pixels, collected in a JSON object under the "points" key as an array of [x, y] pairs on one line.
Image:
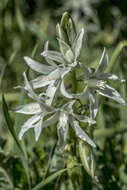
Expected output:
{"points": [[53, 82]]}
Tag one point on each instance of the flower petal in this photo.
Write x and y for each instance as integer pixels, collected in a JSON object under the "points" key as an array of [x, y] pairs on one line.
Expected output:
{"points": [[29, 88], [54, 55], [28, 124], [84, 119], [93, 104], [103, 63], [63, 46], [108, 76], [30, 109], [49, 61], [51, 120], [87, 158], [64, 92], [42, 81], [38, 127], [50, 92], [111, 93], [38, 67], [77, 44], [86, 70], [68, 106], [81, 133], [62, 128]]}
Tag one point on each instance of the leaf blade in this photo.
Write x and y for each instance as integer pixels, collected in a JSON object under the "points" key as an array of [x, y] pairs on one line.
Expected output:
{"points": [[10, 127], [49, 179]]}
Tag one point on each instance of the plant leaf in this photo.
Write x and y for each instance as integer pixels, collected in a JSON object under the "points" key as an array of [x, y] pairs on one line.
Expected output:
{"points": [[12, 131], [49, 179]]}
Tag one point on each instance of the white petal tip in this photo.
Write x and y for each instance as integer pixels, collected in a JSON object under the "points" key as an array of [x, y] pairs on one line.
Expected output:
{"points": [[82, 30], [36, 139], [43, 53], [27, 59], [123, 80], [123, 103], [20, 137]]}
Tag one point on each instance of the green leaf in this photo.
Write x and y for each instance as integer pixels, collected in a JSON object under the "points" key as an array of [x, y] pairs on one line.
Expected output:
{"points": [[51, 154], [20, 20], [12, 131], [49, 179]]}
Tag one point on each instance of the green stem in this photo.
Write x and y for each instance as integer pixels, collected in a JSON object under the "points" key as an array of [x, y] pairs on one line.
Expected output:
{"points": [[74, 83], [115, 54], [98, 133]]}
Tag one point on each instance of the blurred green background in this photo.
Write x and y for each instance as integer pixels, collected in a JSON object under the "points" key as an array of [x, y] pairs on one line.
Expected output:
{"points": [[24, 27]]}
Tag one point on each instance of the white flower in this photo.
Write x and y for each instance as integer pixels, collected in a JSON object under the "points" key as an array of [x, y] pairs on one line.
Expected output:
{"points": [[96, 82], [53, 74], [63, 117]]}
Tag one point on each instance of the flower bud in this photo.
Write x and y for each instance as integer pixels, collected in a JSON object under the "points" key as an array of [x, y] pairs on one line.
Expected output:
{"points": [[87, 158], [69, 56]]}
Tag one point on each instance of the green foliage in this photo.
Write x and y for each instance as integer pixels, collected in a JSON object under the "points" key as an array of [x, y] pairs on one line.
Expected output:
{"points": [[24, 27]]}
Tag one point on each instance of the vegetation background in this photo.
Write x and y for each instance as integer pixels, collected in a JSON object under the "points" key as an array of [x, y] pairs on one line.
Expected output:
{"points": [[24, 27]]}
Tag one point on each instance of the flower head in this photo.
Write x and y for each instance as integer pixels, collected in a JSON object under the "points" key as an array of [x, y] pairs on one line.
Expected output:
{"points": [[63, 117], [96, 83]]}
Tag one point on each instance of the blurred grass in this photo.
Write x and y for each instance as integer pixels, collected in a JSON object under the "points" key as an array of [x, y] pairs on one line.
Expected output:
{"points": [[24, 27]]}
